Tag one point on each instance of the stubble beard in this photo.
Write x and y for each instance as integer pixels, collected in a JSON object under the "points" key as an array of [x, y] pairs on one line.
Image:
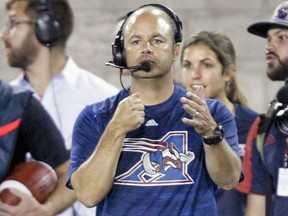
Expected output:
{"points": [[23, 56], [279, 72]]}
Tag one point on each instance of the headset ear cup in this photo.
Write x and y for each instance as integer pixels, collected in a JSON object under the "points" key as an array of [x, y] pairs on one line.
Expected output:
{"points": [[47, 28], [178, 34], [119, 58], [118, 50]]}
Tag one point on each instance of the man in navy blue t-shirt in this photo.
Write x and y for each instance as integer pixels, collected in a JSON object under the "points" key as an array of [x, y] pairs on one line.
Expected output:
{"points": [[153, 149]]}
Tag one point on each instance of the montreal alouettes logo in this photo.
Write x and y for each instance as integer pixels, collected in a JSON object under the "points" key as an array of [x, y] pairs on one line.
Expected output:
{"points": [[160, 162]]}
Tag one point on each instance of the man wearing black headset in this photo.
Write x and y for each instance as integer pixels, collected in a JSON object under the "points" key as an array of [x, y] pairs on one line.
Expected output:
{"points": [[35, 38], [153, 149]]}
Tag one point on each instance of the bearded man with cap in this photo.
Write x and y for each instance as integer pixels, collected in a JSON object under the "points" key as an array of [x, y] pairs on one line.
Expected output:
{"points": [[265, 161]]}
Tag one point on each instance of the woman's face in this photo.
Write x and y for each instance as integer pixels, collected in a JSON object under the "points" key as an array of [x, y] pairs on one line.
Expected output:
{"points": [[201, 67]]}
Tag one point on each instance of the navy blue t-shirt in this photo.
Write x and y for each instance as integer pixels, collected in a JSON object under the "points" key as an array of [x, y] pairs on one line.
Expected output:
{"points": [[161, 170], [233, 202], [275, 147]]}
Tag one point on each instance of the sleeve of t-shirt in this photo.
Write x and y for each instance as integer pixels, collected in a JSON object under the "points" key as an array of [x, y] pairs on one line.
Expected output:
{"points": [[87, 131], [41, 136], [223, 116]]}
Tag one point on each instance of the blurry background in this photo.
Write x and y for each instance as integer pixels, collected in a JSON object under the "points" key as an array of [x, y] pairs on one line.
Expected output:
{"points": [[95, 20]]}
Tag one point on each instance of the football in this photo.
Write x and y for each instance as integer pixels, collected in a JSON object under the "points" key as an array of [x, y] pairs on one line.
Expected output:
{"points": [[35, 178]]}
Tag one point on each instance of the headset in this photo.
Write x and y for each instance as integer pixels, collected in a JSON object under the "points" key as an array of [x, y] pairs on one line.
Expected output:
{"points": [[47, 28], [118, 51]]}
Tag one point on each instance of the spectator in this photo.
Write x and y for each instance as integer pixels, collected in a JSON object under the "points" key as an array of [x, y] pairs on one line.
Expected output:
{"points": [[208, 61], [25, 127], [47, 70], [267, 153]]}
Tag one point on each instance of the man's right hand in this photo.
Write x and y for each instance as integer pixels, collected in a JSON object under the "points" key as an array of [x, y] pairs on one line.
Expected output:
{"points": [[129, 114], [28, 206]]}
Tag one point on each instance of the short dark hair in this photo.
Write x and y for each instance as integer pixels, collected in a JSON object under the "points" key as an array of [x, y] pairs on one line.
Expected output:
{"points": [[61, 11]]}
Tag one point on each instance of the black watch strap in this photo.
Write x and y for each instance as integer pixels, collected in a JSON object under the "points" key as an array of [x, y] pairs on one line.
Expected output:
{"points": [[216, 138]]}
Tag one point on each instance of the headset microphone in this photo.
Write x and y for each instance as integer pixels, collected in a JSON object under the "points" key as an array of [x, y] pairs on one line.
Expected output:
{"points": [[144, 66]]}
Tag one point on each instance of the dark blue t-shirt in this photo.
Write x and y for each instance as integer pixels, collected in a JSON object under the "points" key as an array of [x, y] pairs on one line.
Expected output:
{"points": [[161, 170], [274, 150], [233, 202]]}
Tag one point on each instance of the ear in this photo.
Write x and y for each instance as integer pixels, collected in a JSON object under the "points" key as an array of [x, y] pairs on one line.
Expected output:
{"points": [[229, 73], [176, 50]]}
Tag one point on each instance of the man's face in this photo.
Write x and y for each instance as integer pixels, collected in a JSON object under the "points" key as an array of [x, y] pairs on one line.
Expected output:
{"points": [[19, 37], [277, 54], [148, 36]]}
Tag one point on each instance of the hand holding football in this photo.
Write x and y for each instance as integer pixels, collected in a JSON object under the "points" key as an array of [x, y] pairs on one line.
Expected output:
{"points": [[35, 178]]}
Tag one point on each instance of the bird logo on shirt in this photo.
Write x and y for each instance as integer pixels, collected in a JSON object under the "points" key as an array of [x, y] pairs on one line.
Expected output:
{"points": [[160, 162]]}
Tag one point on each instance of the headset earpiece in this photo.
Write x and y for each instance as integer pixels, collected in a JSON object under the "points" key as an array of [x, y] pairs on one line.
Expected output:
{"points": [[118, 50], [47, 28]]}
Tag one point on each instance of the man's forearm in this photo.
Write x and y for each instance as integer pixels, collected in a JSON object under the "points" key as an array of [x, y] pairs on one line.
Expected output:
{"points": [[62, 197], [223, 165], [95, 177]]}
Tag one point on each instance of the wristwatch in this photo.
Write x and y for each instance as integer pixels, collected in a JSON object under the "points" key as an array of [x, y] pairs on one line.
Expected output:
{"points": [[216, 138]]}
